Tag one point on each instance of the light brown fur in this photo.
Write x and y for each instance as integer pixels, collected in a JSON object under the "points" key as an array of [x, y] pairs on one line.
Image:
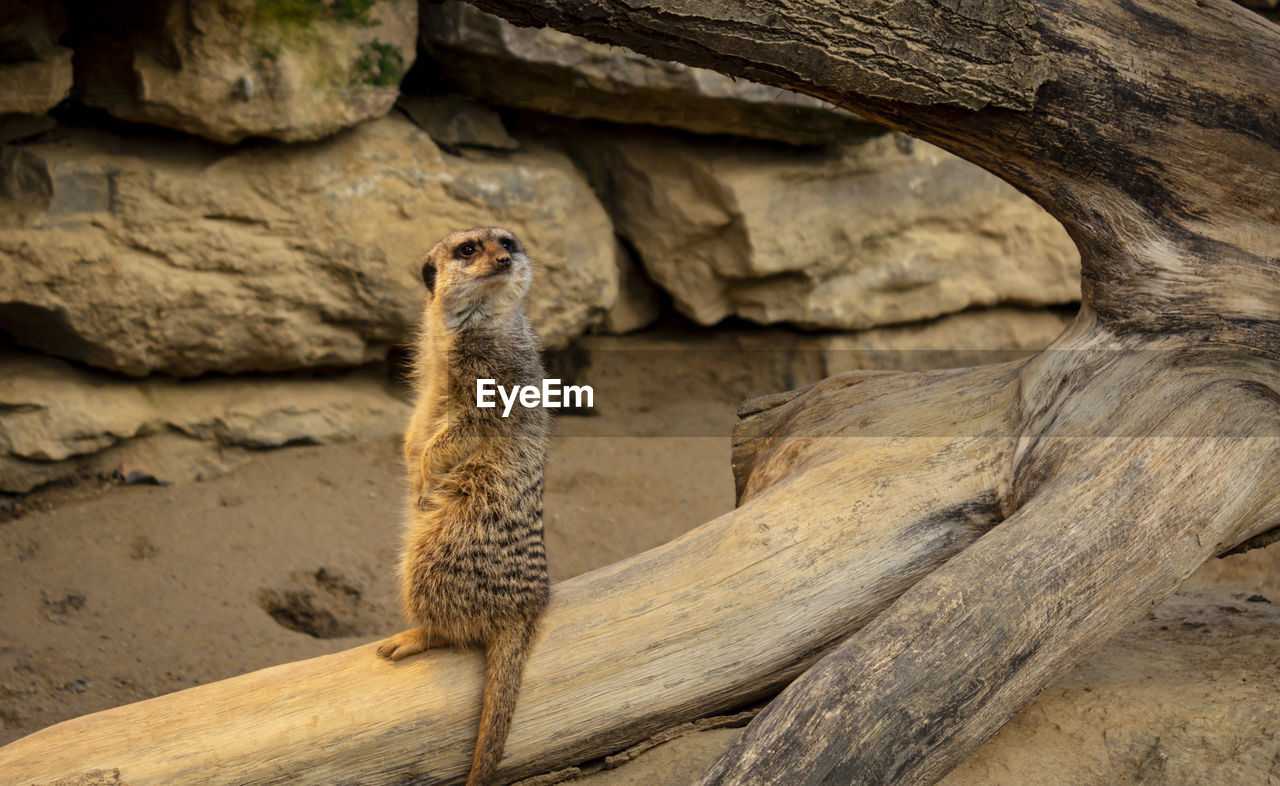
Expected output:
{"points": [[474, 566]]}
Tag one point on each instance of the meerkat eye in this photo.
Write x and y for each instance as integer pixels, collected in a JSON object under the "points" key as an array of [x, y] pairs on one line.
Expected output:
{"points": [[465, 250], [509, 243]]}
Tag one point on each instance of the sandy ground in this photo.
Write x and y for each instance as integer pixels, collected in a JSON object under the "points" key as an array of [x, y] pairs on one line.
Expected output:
{"points": [[113, 594]]}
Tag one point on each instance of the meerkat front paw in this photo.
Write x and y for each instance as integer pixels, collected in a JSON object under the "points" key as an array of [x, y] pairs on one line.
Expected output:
{"points": [[402, 645]]}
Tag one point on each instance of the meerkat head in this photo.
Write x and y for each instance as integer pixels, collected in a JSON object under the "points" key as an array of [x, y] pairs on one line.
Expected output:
{"points": [[477, 276]]}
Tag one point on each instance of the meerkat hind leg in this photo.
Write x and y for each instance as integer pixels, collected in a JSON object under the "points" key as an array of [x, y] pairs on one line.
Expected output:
{"points": [[410, 642]]}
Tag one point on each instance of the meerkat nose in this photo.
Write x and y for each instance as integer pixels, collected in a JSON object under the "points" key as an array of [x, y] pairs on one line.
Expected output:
{"points": [[502, 262]]}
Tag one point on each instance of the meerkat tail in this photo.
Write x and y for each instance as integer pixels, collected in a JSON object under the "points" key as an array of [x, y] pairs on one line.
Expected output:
{"points": [[504, 670]]}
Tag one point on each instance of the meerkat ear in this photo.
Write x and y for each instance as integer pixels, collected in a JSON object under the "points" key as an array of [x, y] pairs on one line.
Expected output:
{"points": [[429, 276]]}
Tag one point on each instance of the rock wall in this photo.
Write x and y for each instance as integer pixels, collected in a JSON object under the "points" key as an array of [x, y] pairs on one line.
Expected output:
{"points": [[59, 421], [847, 236], [144, 255], [191, 192]]}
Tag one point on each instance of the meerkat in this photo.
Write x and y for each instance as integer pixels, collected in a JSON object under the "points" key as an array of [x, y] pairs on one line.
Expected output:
{"points": [[474, 568]]}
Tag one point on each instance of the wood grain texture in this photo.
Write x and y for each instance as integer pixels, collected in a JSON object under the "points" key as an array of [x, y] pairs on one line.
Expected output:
{"points": [[1137, 458], [966, 54]]}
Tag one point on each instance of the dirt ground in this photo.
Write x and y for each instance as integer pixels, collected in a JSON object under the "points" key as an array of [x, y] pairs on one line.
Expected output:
{"points": [[112, 594]]}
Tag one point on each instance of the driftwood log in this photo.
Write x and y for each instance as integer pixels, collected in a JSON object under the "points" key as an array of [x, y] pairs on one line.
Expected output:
{"points": [[930, 550]]}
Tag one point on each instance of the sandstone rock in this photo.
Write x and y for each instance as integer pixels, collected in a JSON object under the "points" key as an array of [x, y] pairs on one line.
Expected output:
{"points": [[970, 338], [849, 237], [49, 411], [562, 74], [35, 86], [141, 255], [30, 29], [57, 420], [35, 72], [240, 68], [639, 301], [458, 122], [160, 457]]}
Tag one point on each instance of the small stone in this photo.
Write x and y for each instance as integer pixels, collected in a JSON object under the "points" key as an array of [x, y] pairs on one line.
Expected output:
{"points": [[75, 686]]}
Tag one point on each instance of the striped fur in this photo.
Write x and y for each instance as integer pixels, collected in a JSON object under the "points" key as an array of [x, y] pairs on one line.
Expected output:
{"points": [[474, 567]]}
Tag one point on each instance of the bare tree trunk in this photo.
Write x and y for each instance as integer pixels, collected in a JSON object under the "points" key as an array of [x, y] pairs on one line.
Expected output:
{"points": [[994, 525]]}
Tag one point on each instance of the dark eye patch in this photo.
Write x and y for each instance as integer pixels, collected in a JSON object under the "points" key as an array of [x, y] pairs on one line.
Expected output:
{"points": [[465, 250], [510, 244]]}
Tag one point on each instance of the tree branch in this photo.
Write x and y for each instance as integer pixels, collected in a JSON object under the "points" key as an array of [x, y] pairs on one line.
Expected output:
{"points": [[967, 55]]}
